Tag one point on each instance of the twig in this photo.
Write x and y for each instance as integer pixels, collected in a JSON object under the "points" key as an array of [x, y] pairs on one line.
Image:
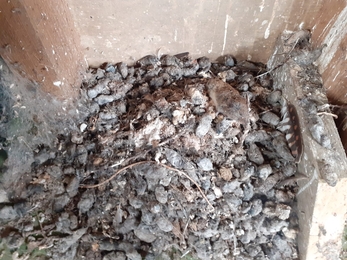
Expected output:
{"points": [[184, 131], [114, 175], [21, 139], [281, 64], [186, 226], [40, 224], [124, 161], [297, 177], [143, 162], [327, 114], [235, 251], [178, 233], [186, 253], [182, 172], [247, 126], [271, 70], [309, 183]]}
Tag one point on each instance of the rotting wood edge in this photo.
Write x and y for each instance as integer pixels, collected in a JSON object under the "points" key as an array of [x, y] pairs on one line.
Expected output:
{"points": [[285, 78]]}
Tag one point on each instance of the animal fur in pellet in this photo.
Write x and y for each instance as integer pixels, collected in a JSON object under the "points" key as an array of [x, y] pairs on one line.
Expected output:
{"points": [[290, 125]]}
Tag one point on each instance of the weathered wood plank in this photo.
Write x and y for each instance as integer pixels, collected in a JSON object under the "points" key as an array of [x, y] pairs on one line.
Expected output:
{"points": [[38, 40], [321, 207]]}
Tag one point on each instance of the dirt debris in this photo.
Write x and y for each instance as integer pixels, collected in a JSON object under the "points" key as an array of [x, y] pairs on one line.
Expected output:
{"points": [[172, 158]]}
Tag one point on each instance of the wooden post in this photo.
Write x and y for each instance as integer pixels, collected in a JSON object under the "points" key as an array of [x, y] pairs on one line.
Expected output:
{"points": [[332, 31], [321, 207], [38, 40]]}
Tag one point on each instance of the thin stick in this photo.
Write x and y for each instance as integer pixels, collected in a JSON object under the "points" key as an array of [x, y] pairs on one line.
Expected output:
{"points": [[327, 114], [184, 131], [281, 64], [114, 175], [186, 226], [42, 232], [21, 139], [197, 185], [186, 253], [143, 162]]}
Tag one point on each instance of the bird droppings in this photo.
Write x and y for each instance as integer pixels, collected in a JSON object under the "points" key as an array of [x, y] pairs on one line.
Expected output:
{"points": [[172, 157]]}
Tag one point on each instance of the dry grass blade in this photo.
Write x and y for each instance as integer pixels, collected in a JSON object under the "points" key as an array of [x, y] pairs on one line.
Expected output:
{"points": [[114, 175], [143, 162], [327, 114]]}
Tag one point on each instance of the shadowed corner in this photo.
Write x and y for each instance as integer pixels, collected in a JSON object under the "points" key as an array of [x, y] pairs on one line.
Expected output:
{"points": [[3, 158]]}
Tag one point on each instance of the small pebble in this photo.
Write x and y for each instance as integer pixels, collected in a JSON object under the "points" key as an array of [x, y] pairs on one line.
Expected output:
{"points": [[174, 158], [229, 60], [114, 256], [86, 202], [60, 202], [282, 246], [110, 68], [270, 118], [204, 64], [257, 136], [72, 186], [256, 207], [108, 115], [123, 69], [83, 127], [55, 171], [231, 186], [76, 138], [164, 224], [144, 234], [274, 97], [104, 99], [204, 125], [148, 60], [248, 191], [82, 154], [197, 97], [161, 194], [3, 196], [264, 171], [156, 209], [8, 213], [225, 173], [281, 147], [136, 203], [100, 88], [255, 155], [205, 164], [228, 75]]}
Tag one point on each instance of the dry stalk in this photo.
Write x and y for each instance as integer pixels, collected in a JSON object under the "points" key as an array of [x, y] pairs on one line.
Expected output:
{"points": [[113, 176], [143, 162], [327, 114]]}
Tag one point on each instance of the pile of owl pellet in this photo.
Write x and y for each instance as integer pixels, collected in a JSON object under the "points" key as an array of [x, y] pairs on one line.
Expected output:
{"points": [[189, 162]]}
